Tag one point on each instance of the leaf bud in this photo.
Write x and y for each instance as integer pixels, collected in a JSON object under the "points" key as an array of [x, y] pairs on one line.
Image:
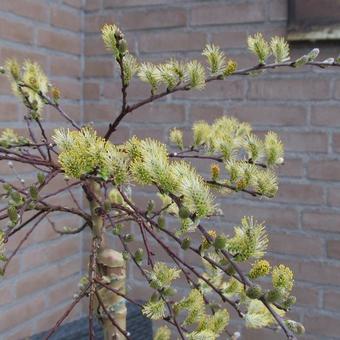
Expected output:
{"points": [[122, 46], [169, 291], [254, 292], [184, 212], [215, 171], [230, 270], [274, 295], [295, 327], [139, 254], [40, 177], [301, 61], [12, 214], [150, 206], [219, 242], [33, 192], [126, 256], [117, 229], [290, 301], [186, 243], [161, 222], [128, 237], [312, 55], [56, 94]]}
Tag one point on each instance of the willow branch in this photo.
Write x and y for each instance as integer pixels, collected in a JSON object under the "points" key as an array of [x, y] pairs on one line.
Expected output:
{"points": [[185, 87], [23, 240], [114, 323], [67, 312]]}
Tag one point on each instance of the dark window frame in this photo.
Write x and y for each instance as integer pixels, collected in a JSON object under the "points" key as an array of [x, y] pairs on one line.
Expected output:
{"points": [[307, 21]]}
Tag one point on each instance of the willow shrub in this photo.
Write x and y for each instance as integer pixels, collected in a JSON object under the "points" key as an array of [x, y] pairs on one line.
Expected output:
{"points": [[107, 173]]}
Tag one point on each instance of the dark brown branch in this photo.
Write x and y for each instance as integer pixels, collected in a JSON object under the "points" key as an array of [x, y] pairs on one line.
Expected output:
{"points": [[114, 125], [186, 87], [22, 241], [114, 323], [67, 312], [225, 185], [116, 291]]}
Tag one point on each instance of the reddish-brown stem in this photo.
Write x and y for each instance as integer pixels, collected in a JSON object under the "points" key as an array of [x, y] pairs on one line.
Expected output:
{"points": [[114, 323], [245, 71], [67, 312], [22, 241]]}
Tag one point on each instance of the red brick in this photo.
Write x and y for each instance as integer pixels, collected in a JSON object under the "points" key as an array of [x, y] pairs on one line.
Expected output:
{"points": [[229, 39], [337, 89], [290, 89], [321, 220], [300, 193], [227, 14], [70, 89], [304, 141], [295, 244], [273, 216], [94, 46], [278, 10], [74, 3], [95, 22], [207, 113], [6, 293], [331, 299], [172, 41], [50, 253], [158, 18], [145, 132], [22, 55], [323, 115], [73, 110], [324, 169], [91, 91], [128, 3], [21, 333], [8, 111], [65, 42], [334, 196], [336, 141], [97, 111], [306, 296], [48, 319], [21, 312], [64, 291], [98, 68], [16, 31], [322, 325], [137, 90], [158, 113], [33, 282], [333, 249], [292, 168], [33, 9], [66, 19], [65, 66], [92, 5], [269, 115]]}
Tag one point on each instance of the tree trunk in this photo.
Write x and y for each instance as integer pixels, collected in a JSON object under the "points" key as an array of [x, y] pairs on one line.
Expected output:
{"points": [[110, 267]]}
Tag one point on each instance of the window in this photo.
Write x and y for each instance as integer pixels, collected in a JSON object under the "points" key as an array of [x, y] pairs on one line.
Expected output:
{"points": [[310, 20]]}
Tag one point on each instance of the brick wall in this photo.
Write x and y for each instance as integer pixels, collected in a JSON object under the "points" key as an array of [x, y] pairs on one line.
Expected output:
{"points": [[302, 105], [44, 276]]}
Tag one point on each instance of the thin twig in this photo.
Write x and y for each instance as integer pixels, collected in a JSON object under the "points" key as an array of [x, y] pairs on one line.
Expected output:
{"points": [[67, 312], [114, 323]]}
